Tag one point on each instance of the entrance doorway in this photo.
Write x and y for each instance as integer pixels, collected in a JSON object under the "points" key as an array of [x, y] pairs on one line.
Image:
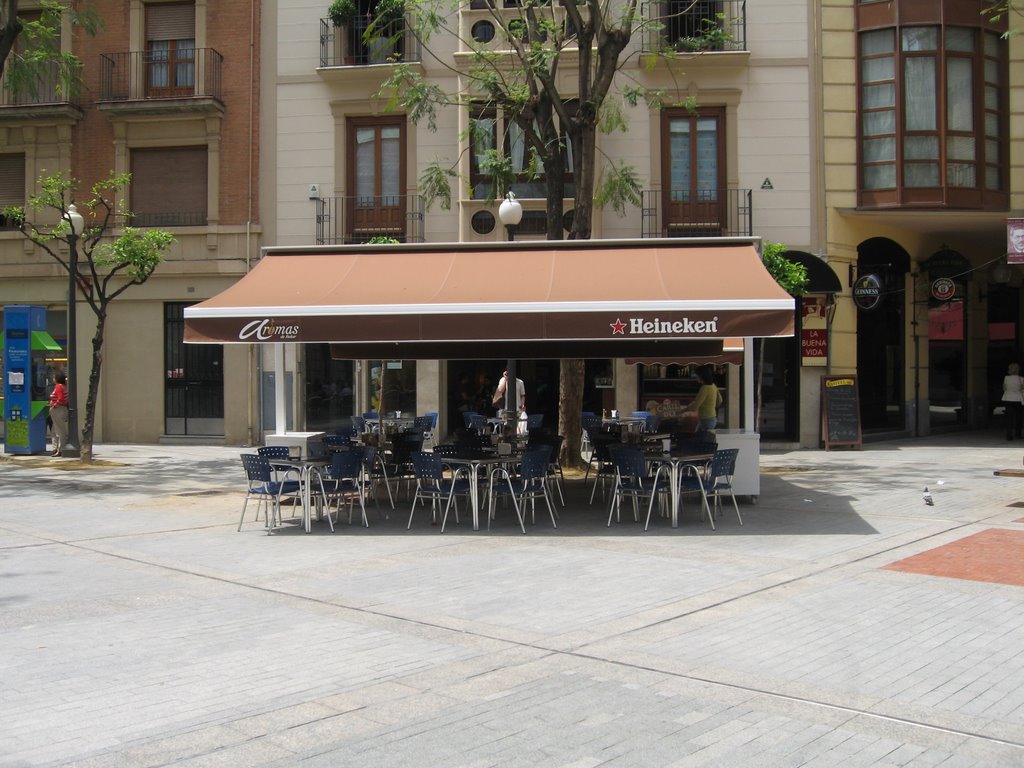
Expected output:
{"points": [[193, 380]]}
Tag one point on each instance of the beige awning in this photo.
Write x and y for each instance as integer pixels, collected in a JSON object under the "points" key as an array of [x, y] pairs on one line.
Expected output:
{"points": [[597, 298]]}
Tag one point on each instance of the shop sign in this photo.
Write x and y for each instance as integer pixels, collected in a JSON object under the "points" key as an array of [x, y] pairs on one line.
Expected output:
{"points": [[943, 289], [813, 332], [867, 291]]}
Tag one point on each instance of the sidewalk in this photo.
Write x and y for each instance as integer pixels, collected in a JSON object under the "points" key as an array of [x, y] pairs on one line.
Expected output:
{"points": [[140, 629]]}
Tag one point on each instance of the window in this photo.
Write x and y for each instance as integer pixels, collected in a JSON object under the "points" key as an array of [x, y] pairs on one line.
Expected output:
{"points": [[376, 163], [694, 25], [693, 171], [170, 49], [12, 184], [529, 179], [168, 187], [932, 116]]}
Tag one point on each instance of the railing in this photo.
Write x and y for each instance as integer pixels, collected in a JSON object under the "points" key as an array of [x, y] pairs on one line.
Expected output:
{"points": [[357, 219], [710, 213], [691, 26], [139, 75], [169, 219], [347, 46], [48, 89]]}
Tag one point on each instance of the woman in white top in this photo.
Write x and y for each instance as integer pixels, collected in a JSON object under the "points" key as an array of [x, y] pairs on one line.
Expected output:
{"points": [[1013, 395]]}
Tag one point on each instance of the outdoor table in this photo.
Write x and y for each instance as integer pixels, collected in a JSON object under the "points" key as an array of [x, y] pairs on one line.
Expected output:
{"points": [[474, 464], [306, 468], [678, 462]]}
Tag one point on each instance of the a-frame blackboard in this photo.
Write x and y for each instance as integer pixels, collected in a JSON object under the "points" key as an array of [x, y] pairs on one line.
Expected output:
{"points": [[840, 411]]}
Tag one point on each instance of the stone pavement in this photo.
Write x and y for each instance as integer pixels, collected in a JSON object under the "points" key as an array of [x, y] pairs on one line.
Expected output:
{"points": [[138, 628]]}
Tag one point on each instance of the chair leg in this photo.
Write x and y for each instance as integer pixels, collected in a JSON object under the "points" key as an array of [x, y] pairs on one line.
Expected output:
{"points": [[244, 505]]}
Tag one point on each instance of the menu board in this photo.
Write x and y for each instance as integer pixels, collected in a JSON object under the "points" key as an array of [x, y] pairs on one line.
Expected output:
{"points": [[840, 411]]}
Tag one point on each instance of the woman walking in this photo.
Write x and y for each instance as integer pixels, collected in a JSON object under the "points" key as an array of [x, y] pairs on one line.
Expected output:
{"points": [[59, 413]]}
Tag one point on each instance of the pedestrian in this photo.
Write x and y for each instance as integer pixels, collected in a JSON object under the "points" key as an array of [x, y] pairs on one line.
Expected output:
{"points": [[498, 400], [705, 405], [59, 413], [1013, 396]]}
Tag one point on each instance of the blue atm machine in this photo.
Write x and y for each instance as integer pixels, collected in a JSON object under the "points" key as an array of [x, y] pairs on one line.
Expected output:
{"points": [[27, 347]]}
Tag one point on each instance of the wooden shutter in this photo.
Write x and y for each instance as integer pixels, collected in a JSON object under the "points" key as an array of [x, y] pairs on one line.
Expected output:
{"points": [[170, 21], [169, 186], [12, 180]]}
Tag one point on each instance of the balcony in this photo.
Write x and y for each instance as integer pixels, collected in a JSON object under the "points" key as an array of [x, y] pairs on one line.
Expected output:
{"points": [[357, 219], [346, 46], [170, 219], [709, 213], [187, 79], [49, 98], [696, 26]]}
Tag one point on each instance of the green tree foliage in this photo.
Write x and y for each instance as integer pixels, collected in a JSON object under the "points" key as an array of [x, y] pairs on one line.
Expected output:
{"points": [[108, 264], [30, 51], [1011, 10]]}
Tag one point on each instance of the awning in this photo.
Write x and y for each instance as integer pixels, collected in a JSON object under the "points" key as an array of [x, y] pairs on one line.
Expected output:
{"points": [[731, 352], [820, 277], [595, 298]]}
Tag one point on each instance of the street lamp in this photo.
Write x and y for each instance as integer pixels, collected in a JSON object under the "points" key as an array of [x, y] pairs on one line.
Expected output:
{"points": [[511, 213], [74, 218]]}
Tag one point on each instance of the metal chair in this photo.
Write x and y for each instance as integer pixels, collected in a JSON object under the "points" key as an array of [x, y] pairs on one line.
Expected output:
{"points": [[555, 474], [600, 460], [398, 466], [358, 424], [529, 485], [633, 479], [467, 418], [694, 481], [478, 422], [432, 484], [374, 470], [343, 481], [266, 489], [534, 421], [720, 472]]}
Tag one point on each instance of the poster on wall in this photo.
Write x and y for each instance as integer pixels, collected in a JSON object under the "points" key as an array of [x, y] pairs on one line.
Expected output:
{"points": [[1015, 241], [813, 332]]}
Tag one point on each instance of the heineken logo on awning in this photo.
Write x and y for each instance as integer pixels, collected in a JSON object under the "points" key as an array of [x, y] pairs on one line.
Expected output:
{"points": [[640, 326]]}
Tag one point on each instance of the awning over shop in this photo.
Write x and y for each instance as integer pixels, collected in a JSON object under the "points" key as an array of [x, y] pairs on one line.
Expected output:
{"points": [[570, 299], [731, 353]]}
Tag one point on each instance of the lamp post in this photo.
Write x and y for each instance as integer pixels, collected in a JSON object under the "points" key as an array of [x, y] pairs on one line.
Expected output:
{"points": [[511, 213], [74, 218]]}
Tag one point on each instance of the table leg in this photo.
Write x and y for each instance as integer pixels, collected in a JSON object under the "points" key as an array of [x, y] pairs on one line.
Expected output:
{"points": [[474, 494], [676, 469]]}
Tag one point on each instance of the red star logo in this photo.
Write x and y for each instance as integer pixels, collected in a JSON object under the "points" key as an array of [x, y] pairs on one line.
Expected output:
{"points": [[618, 327]]}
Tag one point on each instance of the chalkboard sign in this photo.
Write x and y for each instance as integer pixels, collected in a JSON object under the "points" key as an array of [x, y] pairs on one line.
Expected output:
{"points": [[840, 411]]}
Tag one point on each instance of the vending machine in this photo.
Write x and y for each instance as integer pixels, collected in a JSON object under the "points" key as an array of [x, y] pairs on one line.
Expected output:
{"points": [[28, 348]]}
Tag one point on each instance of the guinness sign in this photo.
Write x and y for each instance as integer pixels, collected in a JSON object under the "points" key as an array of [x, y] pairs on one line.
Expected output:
{"points": [[867, 291]]}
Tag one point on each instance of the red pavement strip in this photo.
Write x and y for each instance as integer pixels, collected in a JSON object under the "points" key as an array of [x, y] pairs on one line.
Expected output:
{"points": [[995, 555]]}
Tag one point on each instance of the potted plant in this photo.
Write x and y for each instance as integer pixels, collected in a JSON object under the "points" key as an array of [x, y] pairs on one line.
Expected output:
{"points": [[343, 12], [384, 29]]}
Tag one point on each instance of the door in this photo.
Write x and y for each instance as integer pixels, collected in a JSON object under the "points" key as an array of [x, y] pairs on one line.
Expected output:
{"points": [[694, 173], [193, 380], [376, 162]]}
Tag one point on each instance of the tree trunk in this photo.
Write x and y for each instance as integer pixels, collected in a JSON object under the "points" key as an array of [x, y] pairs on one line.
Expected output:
{"points": [[9, 32], [570, 407], [88, 426]]}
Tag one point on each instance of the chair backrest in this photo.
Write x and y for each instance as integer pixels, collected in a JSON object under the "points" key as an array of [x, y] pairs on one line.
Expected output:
{"points": [[478, 422], [257, 468], [346, 465], [346, 432], [534, 464], [640, 415], [371, 415], [653, 420], [723, 463], [358, 424], [600, 441], [422, 423], [466, 416], [432, 415], [273, 451], [591, 423], [628, 460], [534, 421], [337, 441], [427, 466], [446, 450], [404, 445], [694, 444], [369, 454]]}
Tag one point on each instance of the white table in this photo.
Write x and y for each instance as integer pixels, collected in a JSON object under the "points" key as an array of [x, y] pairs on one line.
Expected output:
{"points": [[474, 465], [678, 462], [306, 468]]}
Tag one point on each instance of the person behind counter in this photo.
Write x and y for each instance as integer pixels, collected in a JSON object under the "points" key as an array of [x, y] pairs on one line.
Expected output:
{"points": [[705, 405]]}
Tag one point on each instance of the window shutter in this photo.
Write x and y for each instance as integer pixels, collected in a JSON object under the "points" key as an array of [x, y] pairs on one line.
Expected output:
{"points": [[170, 21], [12, 180], [168, 186]]}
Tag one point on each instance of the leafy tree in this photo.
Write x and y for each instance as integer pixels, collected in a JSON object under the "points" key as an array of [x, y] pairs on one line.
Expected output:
{"points": [[38, 58], [792, 278], [559, 75], [107, 264], [1013, 10]]}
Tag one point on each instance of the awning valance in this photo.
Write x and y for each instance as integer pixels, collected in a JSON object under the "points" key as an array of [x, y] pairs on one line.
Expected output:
{"points": [[603, 298]]}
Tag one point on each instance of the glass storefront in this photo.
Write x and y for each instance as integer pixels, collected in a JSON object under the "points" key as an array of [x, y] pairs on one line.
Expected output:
{"points": [[330, 395]]}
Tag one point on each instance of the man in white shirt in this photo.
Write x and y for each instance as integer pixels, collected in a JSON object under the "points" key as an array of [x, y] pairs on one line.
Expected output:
{"points": [[498, 401]]}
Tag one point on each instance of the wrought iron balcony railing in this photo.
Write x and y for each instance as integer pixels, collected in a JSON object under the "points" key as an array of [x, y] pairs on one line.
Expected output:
{"points": [[693, 26], [161, 74], [709, 213], [47, 89], [170, 219], [357, 219], [347, 46]]}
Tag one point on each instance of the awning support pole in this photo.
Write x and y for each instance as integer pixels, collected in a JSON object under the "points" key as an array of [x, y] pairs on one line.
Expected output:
{"points": [[748, 384], [280, 422]]}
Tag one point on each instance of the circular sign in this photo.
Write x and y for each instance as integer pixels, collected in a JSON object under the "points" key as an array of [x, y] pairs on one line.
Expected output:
{"points": [[867, 291], [943, 289]]}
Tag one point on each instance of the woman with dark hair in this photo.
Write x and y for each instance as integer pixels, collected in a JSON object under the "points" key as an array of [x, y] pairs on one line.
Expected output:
{"points": [[705, 404], [59, 412]]}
